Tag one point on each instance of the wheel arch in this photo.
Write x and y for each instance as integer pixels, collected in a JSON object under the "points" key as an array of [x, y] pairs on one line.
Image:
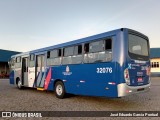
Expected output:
{"points": [[17, 79], [57, 81]]}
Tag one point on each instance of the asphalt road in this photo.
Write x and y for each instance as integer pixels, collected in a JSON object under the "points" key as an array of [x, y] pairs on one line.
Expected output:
{"points": [[13, 99]]}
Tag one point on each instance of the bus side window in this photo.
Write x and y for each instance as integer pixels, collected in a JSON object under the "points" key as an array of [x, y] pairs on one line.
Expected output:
{"points": [[18, 59], [54, 54], [108, 49], [54, 57], [86, 48], [12, 63], [59, 53], [78, 50], [96, 46], [68, 53], [38, 63], [31, 60], [63, 52], [108, 44], [77, 57], [18, 62], [48, 54], [98, 51]]}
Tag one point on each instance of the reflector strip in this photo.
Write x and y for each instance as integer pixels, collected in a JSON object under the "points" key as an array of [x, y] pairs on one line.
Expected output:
{"points": [[48, 78], [82, 81], [111, 83]]}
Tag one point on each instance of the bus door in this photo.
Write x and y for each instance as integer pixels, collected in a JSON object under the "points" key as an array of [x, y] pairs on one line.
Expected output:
{"points": [[40, 77], [25, 71], [31, 71]]}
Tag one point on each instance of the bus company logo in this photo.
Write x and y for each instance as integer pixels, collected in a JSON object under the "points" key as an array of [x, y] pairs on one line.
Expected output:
{"points": [[129, 66], [148, 70], [67, 71]]}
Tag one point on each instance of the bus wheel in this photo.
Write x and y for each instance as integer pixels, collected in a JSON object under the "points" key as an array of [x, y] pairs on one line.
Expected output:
{"points": [[19, 84], [59, 90]]}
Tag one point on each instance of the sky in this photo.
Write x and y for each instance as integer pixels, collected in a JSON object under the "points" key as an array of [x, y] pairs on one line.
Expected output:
{"points": [[32, 24]]}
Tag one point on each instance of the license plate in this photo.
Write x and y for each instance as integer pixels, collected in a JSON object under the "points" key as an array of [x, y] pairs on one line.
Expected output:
{"points": [[140, 79]]}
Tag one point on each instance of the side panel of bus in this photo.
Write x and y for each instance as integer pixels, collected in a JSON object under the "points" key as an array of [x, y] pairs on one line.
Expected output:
{"points": [[94, 79], [86, 79]]}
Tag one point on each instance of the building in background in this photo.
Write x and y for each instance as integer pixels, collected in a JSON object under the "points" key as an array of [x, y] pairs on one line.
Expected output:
{"points": [[155, 61], [5, 55]]}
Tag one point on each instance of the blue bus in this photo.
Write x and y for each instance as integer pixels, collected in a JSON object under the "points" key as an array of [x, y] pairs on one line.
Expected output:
{"points": [[111, 64]]}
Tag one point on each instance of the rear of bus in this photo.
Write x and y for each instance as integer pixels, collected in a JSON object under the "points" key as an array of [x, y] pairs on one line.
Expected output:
{"points": [[136, 67]]}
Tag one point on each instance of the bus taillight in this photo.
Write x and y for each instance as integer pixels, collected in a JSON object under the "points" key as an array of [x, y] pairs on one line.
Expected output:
{"points": [[148, 71], [126, 76]]}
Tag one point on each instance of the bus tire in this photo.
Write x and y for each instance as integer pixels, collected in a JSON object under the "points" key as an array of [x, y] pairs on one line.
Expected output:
{"points": [[19, 84], [59, 90]]}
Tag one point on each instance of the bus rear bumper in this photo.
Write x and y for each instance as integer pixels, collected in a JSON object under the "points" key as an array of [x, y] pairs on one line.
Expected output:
{"points": [[124, 89]]}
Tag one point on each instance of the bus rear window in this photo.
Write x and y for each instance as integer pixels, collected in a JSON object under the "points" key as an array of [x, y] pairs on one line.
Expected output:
{"points": [[138, 47]]}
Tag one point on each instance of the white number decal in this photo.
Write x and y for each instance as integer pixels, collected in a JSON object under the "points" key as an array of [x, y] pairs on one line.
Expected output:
{"points": [[104, 70]]}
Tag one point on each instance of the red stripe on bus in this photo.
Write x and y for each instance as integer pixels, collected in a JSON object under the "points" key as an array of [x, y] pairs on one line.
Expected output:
{"points": [[48, 78]]}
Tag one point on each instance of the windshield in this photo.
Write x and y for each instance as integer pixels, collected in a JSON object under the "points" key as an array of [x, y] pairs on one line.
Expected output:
{"points": [[138, 47]]}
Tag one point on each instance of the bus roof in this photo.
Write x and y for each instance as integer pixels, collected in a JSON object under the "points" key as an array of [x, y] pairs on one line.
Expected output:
{"points": [[74, 42]]}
